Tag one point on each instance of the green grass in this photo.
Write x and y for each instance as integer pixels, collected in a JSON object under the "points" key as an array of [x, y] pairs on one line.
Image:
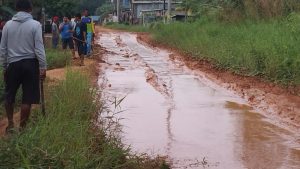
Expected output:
{"points": [[57, 58], [266, 49]]}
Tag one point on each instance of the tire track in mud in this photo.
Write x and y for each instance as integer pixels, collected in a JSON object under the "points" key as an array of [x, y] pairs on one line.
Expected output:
{"points": [[161, 83]]}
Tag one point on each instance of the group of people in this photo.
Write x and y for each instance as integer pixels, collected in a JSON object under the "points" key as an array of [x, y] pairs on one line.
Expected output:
{"points": [[23, 58], [75, 34]]}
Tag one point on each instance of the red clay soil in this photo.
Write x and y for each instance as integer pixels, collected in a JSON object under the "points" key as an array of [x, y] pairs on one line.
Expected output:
{"points": [[274, 101]]}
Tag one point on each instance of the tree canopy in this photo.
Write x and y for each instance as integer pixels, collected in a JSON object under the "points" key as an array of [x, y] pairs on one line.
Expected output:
{"points": [[104, 9], [64, 7]]}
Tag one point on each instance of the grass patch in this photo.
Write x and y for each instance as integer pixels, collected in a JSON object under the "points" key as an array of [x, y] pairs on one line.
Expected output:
{"points": [[57, 58], [267, 49]]}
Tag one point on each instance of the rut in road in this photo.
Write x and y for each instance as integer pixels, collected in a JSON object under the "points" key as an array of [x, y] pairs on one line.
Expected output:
{"points": [[174, 111]]}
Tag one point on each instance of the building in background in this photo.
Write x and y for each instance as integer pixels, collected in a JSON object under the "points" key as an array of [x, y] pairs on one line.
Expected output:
{"points": [[146, 11], [141, 11]]}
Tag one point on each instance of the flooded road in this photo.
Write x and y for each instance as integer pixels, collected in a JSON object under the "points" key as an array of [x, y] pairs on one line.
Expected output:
{"points": [[173, 111]]}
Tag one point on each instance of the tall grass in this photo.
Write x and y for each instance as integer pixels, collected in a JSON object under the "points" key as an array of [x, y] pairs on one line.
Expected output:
{"points": [[57, 58], [269, 49]]}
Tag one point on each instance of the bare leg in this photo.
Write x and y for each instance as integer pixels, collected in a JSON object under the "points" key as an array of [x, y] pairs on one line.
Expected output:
{"points": [[10, 114], [73, 54], [81, 60], [25, 113]]}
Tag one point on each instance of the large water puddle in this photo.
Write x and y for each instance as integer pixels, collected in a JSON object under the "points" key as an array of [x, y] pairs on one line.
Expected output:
{"points": [[170, 110]]}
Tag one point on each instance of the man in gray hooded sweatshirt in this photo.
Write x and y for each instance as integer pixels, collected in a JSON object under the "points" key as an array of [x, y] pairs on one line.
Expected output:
{"points": [[23, 58]]}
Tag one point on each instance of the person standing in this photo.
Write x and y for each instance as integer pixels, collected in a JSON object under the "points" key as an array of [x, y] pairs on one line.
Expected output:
{"points": [[89, 30], [23, 58], [80, 38], [55, 32], [66, 32], [73, 24]]}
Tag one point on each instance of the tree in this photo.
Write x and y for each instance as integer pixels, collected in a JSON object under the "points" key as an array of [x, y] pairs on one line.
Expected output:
{"points": [[91, 5], [104, 9], [67, 7]]}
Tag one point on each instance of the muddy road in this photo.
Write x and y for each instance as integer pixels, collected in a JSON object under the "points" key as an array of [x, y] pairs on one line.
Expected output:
{"points": [[173, 111]]}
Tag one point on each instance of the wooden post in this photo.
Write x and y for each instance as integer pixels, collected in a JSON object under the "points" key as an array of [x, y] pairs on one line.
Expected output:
{"points": [[118, 9]]}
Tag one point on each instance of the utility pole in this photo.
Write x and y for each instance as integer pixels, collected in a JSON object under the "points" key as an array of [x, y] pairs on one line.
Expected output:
{"points": [[43, 19], [118, 9], [169, 10]]}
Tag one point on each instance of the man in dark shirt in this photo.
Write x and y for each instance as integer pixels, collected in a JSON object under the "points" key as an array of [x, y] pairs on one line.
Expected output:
{"points": [[80, 38]]}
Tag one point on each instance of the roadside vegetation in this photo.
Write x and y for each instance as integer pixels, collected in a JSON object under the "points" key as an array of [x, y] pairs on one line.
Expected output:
{"points": [[246, 37]]}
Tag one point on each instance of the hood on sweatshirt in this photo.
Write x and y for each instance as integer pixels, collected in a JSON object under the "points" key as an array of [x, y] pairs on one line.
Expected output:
{"points": [[22, 17]]}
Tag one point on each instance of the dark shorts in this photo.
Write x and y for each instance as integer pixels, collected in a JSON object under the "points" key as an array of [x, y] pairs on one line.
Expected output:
{"points": [[81, 47], [67, 42], [26, 73]]}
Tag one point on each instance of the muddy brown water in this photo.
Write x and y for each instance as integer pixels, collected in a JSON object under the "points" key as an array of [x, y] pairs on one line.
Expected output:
{"points": [[172, 111]]}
